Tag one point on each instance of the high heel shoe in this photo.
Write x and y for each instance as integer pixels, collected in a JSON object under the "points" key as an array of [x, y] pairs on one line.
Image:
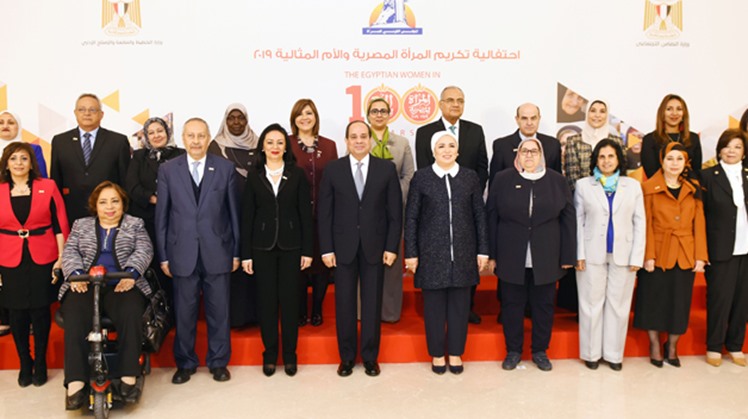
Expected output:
{"points": [[656, 362], [672, 361]]}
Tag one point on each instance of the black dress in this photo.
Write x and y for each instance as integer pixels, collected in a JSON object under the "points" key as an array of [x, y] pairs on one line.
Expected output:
{"points": [[650, 155], [28, 285]]}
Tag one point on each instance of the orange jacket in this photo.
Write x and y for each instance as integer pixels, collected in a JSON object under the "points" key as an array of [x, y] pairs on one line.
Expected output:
{"points": [[676, 229]]}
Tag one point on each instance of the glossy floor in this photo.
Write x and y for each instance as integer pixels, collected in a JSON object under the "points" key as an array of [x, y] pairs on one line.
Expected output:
{"points": [[484, 390]]}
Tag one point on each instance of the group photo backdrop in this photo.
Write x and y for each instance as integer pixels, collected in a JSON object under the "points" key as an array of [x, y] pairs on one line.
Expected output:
{"points": [[192, 58]]}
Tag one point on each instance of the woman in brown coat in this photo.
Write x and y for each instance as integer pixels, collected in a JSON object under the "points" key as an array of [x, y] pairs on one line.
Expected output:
{"points": [[675, 250]]}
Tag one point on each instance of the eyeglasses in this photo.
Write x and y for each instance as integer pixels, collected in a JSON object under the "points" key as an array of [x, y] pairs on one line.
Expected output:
{"points": [[530, 152], [375, 112], [87, 110], [452, 101]]}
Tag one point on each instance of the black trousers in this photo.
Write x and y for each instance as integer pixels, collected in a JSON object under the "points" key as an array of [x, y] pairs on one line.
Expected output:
{"points": [[540, 298], [346, 284], [277, 276], [126, 311], [319, 281], [20, 320], [726, 304], [446, 307], [4, 316], [568, 295]]}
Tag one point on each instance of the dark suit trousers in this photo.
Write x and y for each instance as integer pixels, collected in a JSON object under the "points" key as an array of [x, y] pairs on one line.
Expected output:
{"points": [[215, 290], [277, 276], [346, 284], [126, 311], [319, 281], [449, 306], [726, 304], [514, 299]]}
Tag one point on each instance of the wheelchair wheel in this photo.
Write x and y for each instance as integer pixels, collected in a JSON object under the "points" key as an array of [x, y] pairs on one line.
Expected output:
{"points": [[100, 406]]}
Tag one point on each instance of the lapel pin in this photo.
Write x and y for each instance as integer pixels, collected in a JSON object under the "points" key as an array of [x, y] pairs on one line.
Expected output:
{"points": [[518, 186], [657, 187], [75, 138], [41, 190], [285, 178], [211, 169], [716, 172]]}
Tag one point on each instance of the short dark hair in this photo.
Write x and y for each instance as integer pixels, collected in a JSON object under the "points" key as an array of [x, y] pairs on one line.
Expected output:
{"points": [[729, 135], [94, 197], [607, 142], [288, 157], [356, 121], [14, 147]]}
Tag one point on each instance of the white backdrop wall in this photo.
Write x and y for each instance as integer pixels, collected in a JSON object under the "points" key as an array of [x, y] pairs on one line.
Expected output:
{"points": [[193, 58]]}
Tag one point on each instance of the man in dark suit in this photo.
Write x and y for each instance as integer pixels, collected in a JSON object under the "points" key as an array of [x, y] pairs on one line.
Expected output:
{"points": [[360, 222], [86, 156], [505, 148], [197, 237], [471, 150]]}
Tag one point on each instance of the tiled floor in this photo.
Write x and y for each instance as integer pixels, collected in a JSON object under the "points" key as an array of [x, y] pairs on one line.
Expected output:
{"points": [[484, 390]]}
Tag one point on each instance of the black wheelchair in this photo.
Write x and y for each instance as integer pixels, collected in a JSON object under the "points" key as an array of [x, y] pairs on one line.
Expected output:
{"points": [[104, 383]]}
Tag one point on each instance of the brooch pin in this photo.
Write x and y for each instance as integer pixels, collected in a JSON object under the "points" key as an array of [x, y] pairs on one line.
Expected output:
{"points": [[518, 186], [75, 138], [211, 169], [41, 190]]}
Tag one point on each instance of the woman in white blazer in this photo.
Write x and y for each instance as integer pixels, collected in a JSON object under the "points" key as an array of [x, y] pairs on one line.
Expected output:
{"points": [[611, 233]]}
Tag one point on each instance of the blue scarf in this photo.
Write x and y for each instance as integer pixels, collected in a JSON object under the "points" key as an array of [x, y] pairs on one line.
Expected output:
{"points": [[610, 183]]}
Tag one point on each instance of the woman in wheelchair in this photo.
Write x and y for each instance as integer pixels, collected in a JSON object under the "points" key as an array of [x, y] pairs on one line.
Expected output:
{"points": [[119, 242]]}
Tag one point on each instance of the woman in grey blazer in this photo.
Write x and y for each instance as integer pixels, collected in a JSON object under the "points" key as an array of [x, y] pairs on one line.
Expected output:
{"points": [[611, 232], [119, 242], [446, 245], [387, 145]]}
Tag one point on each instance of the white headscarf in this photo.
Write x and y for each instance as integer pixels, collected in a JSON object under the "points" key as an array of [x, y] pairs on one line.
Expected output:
{"points": [[540, 170], [224, 138], [18, 136], [591, 135]]}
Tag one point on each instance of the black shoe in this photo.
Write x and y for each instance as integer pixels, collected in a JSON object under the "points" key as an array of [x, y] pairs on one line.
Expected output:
{"points": [[438, 369], [24, 378], [656, 362], [372, 368], [541, 360], [473, 318], [316, 320], [220, 374], [511, 361], [182, 375], [303, 321], [40, 376], [672, 361], [290, 369], [75, 402], [615, 366], [345, 368], [129, 393], [268, 369], [592, 364], [456, 369]]}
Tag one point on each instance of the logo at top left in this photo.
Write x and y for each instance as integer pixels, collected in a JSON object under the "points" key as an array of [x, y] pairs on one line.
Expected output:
{"points": [[120, 17]]}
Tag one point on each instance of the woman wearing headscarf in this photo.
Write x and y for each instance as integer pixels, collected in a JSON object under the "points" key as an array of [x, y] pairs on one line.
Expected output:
{"points": [[532, 232], [676, 248], [312, 152], [11, 132], [237, 142], [611, 231], [725, 188], [395, 148], [672, 126], [446, 246], [578, 151], [33, 228], [140, 183]]}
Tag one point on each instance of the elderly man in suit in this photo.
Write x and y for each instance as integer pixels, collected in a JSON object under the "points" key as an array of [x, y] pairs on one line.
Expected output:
{"points": [[197, 235], [360, 222], [471, 149], [86, 156]]}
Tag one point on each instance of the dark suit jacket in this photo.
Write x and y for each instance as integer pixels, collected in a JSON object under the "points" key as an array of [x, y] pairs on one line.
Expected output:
{"points": [[184, 227], [551, 230], [472, 147], [505, 150], [375, 221], [109, 160], [721, 212], [268, 220]]}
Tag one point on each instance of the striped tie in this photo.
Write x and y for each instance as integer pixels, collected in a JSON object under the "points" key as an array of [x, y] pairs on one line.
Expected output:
{"points": [[87, 147]]}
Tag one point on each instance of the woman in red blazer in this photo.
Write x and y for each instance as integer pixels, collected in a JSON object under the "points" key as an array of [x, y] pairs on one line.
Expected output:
{"points": [[33, 228]]}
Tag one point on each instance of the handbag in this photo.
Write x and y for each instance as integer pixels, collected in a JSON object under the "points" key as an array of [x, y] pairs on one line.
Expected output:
{"points": [[156, 320]]}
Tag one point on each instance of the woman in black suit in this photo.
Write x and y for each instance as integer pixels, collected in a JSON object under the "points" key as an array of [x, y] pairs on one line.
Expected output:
{"points": [[445, 247], [140, 183], [532, 231], [277, 242], [672, 125], [725, 200]]}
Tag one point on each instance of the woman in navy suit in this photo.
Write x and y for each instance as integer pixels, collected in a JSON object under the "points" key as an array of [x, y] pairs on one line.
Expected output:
{"points": [[277, 242], [611, 232], [532, 231], [725, 200]]}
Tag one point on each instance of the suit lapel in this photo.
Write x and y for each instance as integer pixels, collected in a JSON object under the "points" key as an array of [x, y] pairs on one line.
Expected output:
{"points": [[348, 176], [208, 176], [621, 193], [720, 179], [99, 144], [77, 146], [600, 196], [369, 178], [183, 172]]}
